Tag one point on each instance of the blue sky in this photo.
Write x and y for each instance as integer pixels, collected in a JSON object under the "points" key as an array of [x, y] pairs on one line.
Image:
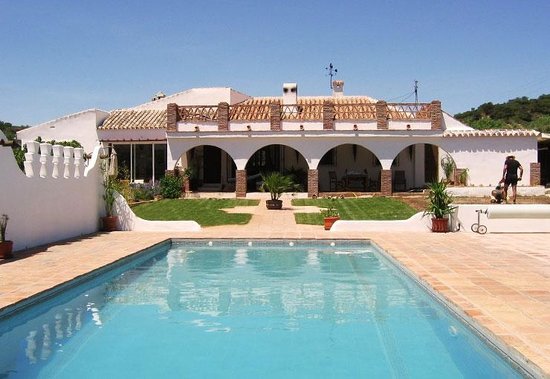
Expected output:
{"points": [[61, 57]]}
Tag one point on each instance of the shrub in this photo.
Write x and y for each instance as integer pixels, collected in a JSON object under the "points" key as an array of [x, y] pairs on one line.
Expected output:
{"points": [[171, 186]]}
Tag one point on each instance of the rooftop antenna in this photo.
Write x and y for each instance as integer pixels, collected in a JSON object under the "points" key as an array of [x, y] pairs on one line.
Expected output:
{"points": [[416, 91], [331, 72]]}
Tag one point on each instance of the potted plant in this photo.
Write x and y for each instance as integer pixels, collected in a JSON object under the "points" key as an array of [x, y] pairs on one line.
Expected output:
{"points": [[276, 183], [440, 206], [330, 214], [463, 176], [448, 165], [6, 247], [109, 221]]}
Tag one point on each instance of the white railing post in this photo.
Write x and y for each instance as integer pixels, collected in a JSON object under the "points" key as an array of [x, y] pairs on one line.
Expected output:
{"points": [[78, 155], [45, 152], [68, 155], [57, 154]]}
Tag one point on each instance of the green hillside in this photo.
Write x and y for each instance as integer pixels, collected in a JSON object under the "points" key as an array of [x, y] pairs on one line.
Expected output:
{"points": [[519, 113], [9, 130]]}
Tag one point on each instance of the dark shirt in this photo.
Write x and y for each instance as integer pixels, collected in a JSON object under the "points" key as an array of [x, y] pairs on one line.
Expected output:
{"points": [[512, 167]]}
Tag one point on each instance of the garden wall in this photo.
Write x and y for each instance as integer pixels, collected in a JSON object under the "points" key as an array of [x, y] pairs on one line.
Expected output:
{"points": [[42, 208]]}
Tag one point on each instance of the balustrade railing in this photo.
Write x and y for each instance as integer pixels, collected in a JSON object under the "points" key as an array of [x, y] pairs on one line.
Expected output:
{"points": [[366, 111], [306, 112], [302, 112], [53, 161], [250, 112], [198, 113], [409, 111]]}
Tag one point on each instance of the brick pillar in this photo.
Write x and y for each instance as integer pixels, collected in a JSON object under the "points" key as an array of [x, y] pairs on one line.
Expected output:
{"points": [[435, 114], [240, 183], [172, 117], [223, 117], [386, 182], [275, 116], [312, 183], [381, 114], [534, 177], [186, 184], [328, 115]]}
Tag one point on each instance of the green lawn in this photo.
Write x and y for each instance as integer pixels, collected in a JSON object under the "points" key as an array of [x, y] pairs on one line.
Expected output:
{"points": [[206, 212], [374, 208]]}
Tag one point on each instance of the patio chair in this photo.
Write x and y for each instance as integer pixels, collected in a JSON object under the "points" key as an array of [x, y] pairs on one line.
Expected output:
{"points": [[333, 181]]}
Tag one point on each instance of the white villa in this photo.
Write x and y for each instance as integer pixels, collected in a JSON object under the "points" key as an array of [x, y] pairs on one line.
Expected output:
{"points": [[330, 143]]}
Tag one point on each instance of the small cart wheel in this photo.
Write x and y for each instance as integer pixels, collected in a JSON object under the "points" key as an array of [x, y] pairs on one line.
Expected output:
{"points": [[482, 229], [475, 227]]}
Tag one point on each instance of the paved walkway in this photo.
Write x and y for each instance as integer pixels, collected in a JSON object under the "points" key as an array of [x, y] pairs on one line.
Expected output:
{"points": [[500, 282]]}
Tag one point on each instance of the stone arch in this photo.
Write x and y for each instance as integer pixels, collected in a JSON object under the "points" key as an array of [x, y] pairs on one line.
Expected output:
{"points": [[276, 157], [212, 169], [355, 167], [416, 165]]}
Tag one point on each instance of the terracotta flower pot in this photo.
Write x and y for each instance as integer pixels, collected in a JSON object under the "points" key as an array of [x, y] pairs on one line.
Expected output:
{"points": [[440, 225], [6, 248], [329, 221], [110, 223]]}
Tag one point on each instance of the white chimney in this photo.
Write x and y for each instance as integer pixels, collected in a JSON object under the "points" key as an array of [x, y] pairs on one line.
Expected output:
{"points": [[337, 88], [290, 93]]}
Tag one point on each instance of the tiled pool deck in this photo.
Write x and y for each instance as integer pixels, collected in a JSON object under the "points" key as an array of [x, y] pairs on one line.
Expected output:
{"points": [[500, 281]]}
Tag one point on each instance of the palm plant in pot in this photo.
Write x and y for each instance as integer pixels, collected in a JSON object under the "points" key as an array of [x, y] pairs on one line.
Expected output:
{"points": [[6, 247], [440, 206], [276, 183]]}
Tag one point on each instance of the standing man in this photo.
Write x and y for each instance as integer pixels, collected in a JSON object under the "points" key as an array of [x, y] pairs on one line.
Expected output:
{"points": [[510, 176]]}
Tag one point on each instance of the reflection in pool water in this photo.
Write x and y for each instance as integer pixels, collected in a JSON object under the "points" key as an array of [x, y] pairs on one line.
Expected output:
{"points": [[247, 309]]}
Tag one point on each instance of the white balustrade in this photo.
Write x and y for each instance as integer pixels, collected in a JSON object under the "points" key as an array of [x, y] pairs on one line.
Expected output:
{"points": [[57, 155], [45, 153], [68, 155], [29, 170], [78, 154], [32, 147]]}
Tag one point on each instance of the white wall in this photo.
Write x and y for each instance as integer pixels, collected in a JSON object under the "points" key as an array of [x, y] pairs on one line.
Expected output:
{"points": [[44, 210], [81, 127], [197, 96], [484, 156]]}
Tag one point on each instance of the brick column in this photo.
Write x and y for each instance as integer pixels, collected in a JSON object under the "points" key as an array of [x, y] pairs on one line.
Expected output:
{"points": [[381, 115], [223, 117], [312, 183], [172, 117], [240, 183], [275, 116], [328, 115], [435, 114], [534, 177], [386, 182], [186, 184]]}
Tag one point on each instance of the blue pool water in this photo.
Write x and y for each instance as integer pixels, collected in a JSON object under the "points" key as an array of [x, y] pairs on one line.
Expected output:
{"points": [[245, 310]]}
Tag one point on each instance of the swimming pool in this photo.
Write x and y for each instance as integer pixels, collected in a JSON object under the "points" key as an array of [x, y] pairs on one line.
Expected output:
{"points": [[245, 309]]}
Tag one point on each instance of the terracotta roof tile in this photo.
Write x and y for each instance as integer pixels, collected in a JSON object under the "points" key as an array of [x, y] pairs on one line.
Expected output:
{"points": [[135, 119]]}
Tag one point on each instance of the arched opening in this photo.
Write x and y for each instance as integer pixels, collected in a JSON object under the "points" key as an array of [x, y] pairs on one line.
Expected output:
{"points": [[276, 158], [349, 167], [210, 169], [417, 165]]}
